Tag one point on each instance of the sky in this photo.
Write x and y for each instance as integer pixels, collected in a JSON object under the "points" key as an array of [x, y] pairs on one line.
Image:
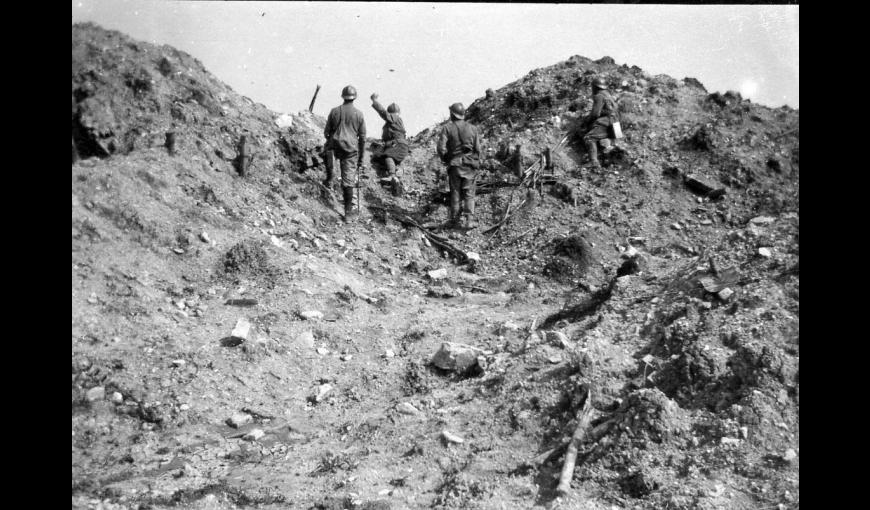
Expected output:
{"points": [[427, 56]]}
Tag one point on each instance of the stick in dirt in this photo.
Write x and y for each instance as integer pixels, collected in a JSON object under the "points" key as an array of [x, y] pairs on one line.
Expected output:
{"points": [[571, 455], [311, 106]]}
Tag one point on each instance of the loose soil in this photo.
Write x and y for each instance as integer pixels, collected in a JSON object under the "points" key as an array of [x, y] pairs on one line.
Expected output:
{"points": [[687, 331]]}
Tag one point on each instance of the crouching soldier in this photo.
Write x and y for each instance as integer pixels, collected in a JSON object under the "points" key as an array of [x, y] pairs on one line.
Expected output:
{"points": [[395, 148], [598, 123], [459, 149]]}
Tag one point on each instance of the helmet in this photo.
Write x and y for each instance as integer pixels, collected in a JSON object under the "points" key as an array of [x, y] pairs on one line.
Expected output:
{"points": [[599, 83], [457, 110], [393, 108], [348, 92]]}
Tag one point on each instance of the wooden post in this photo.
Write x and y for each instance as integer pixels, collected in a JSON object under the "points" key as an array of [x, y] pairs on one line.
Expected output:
{"points": [[519, 160], [548, 158], [311, 106]]}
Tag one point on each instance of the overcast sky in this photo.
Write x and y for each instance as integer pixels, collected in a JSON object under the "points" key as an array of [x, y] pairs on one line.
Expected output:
{"points": [[427, 56]]}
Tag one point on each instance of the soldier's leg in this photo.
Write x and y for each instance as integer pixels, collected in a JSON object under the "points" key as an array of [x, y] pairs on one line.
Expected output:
{"points": [[598, 132], [469, 189], [455, 185], [349, 184]]}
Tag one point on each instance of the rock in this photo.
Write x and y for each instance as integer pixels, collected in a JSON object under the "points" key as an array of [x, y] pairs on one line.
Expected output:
{"points": [[762, 220], [117, 398], [744, 432], [96, 393], [703, 187], [451, 438], [725, 294], [276, 242], [706, 222], [473, 257], [676, 226], [456, 357], [389, 353], [765, 252], [254, 435], [406, 408], [558, 339], [729, 440], [311, 315], [508, 327], [203, 236], [437, 274], [346, 357], [242, 330], [306, 339], [178, 363], [322, 351], [630, 253], [340, 243], [178, 251], [322, 392], [239, 420], [790, 455]]}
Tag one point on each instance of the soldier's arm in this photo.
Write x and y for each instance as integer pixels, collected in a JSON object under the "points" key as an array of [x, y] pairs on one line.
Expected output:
{"points": [[380, 109], [597, 105], [361, 138]]}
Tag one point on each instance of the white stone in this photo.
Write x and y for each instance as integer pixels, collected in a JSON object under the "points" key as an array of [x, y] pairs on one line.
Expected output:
{"points": [[96, 393], [254, 435], [451, 437], [765, 252], [322, 351], [455, 356], [242, 329], [389, 353], [762, 220], [790, 455], [311, 315], [725, 294], [203, 236], [306, 339], [438, 274], [473, 256], [406, 408], [239, 420], [117, 398], [322, 392]]}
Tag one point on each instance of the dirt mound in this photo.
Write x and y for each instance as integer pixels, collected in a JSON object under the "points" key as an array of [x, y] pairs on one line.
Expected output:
{"points": [[679, 307]]}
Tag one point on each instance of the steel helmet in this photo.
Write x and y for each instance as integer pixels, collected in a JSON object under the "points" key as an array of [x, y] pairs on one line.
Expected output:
{"points": [[348, 92], [599, 83], [457, 110], [393, 108]]}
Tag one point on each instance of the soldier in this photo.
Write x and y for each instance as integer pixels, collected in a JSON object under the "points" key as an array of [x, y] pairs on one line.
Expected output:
{"points": [[459, 149], [345, 134], [395, 145], [597, 123]]}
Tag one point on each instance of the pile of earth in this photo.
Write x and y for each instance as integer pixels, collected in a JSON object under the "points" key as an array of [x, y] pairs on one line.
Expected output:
{"points": [[678, 306]]}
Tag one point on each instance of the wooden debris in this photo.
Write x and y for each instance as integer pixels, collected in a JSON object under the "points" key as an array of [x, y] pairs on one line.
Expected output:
{"points": [[583, 419]]}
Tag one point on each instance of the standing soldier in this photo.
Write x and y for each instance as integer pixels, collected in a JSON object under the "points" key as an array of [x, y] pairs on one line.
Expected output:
{"points": [[459, 149], [597, 123], [345, 139], [395, 145]]}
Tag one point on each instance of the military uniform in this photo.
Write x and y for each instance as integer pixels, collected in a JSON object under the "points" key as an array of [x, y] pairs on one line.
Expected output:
{"points": [[459, 149], [598, 123], [395, 148], [345, 134]]}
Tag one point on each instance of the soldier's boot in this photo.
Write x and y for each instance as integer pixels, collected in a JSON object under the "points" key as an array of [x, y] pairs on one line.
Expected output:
{"points": [[396, 187], [592, 148], [350, 212], [455, 211], [606, 146]]}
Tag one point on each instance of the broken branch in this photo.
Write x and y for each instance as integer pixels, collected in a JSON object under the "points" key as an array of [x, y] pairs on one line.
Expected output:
{"points": [[571, 455]]}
